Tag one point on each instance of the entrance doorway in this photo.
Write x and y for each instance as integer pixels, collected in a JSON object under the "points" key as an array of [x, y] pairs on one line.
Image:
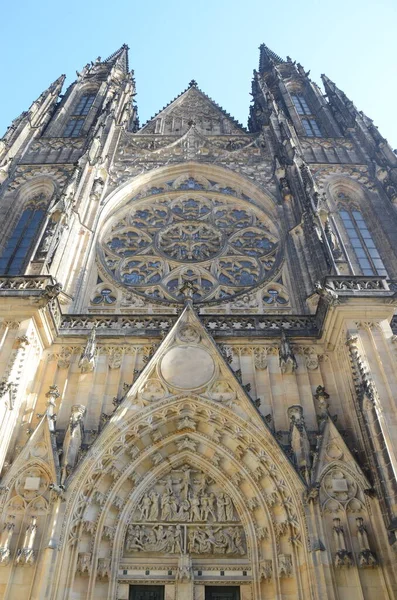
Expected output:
{"points": [[218, 592], [146, 592]]}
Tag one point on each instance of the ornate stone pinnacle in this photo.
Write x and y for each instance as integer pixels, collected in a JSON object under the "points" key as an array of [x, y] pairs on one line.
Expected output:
{"points": [[193, 83]]}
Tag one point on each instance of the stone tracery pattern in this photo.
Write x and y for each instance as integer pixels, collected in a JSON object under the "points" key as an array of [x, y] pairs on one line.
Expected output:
{"points": [[220, 245]]}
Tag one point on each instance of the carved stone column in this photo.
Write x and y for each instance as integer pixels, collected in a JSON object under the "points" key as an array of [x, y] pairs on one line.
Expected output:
{"points": [[184, 579]]}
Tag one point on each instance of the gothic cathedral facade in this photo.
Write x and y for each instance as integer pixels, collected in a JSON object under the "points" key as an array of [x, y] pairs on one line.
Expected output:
{"points": [[198, 370]]}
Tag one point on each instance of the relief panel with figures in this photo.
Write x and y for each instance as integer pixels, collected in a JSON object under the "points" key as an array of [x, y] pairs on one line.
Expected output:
{"points": [[186, 512]]}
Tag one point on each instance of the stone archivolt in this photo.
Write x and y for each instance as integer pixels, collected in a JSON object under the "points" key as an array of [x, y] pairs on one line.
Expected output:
{"points": [[222, 538]]}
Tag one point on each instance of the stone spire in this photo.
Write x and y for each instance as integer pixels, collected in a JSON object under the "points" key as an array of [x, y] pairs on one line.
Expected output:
{"points": [[268, 58], [20, 130]]}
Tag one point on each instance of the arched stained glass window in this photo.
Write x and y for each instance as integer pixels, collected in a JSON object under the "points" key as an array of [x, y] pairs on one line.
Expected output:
{"points": [[78, 116], [17, 248], [309, 122], [362, 242]]}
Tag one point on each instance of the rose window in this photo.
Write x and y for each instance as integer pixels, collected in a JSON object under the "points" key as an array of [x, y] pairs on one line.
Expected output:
{"points": [[221, 245], [190, 241]]}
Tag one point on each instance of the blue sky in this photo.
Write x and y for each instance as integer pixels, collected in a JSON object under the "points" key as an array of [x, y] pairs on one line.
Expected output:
{"points": [[215, 42]]}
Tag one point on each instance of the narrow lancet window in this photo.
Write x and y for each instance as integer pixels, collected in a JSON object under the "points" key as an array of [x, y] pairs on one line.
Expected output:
{"points": [[19, 245], [78, 116], [309, 124], [362, 243]]}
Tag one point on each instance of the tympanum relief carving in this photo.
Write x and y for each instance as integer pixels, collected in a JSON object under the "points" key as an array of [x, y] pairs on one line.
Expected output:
{"points": [[186, 511]]}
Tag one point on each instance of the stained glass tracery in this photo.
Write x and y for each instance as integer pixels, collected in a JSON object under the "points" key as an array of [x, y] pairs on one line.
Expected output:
{"points": [[221, 245]]}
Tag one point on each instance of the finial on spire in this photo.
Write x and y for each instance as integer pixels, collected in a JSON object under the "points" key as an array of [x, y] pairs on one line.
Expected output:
{"points": [[267, 58], [193, 83]]}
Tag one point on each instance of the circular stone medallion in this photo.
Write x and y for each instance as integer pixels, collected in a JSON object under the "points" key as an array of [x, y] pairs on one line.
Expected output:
{"points": [[188, 367]]}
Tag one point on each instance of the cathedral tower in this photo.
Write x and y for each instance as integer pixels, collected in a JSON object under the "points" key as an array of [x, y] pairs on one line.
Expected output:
{"points": [[198, 364]]}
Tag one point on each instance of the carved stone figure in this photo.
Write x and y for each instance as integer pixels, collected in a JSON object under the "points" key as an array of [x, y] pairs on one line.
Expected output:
{"points": [[167, 539], [332, 240], [220, 505], [284, 565], [228, 507], [135, 538], [185, 569], [83, 566], [5, 540], [299, 440], [145, 507], [188, 333], [166, 511], [97, 188], [260, 359], [322, 397], [73, 440], [221, 391], [152, 390], [343, 558], [46, 239], [88, 357], [103, 568], [154, 509], [52, 395], [328, 294], [366, 557], [195, 514], [266, 570], [26, 554], [288, 362], [220, 540]]}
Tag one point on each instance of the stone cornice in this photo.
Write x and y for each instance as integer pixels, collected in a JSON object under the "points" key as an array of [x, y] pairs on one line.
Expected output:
{"points": [[335, 290]]}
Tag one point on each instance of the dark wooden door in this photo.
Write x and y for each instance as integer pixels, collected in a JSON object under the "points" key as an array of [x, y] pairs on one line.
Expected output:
{"points": [[222, 593], [146, 592]]}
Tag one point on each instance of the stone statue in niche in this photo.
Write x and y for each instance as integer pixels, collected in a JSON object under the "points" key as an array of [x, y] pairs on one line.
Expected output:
{"points": [[332, 240], [5, 540], [266, 570], [284, 565], [84, 563], [73, 440], [26, 554], [287, 358], [343, 558], [299, 440], [103, 568], [186, 495], [46, 240], [87, 360], [366, 557]]}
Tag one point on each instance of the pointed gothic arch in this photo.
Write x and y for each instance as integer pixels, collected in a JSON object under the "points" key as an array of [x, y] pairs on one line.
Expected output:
{"points": [[272, 517]]}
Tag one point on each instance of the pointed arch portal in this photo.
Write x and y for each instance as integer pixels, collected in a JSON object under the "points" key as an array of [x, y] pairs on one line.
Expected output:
{"points": [[185, 487]]}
